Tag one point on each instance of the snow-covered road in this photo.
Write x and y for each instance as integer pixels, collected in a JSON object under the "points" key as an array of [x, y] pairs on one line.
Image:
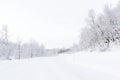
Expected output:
{"points": [[79, 66]]}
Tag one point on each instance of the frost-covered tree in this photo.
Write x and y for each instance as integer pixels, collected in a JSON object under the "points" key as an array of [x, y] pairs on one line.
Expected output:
{"points": [[5, 43], [90, 34], [5, 34], [34, 48], [42, 50], [19, 48]]}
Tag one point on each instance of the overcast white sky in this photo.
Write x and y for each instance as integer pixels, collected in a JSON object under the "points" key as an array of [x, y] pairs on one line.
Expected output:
{"points": [[55, 23]]}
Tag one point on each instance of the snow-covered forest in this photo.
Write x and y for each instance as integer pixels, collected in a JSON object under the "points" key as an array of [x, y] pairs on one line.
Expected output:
{"points": [[17, 50], [102, 30]]}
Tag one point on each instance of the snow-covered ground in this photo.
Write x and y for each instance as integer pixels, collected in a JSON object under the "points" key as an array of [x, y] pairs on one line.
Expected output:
{"points": [[78, 66]]}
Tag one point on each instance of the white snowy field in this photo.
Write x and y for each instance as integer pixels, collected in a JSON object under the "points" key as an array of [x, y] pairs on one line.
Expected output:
{"points": [[78, 66]]}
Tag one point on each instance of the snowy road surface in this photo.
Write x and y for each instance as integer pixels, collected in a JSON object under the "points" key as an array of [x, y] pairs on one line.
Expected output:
{"points": [[79, 66]]}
